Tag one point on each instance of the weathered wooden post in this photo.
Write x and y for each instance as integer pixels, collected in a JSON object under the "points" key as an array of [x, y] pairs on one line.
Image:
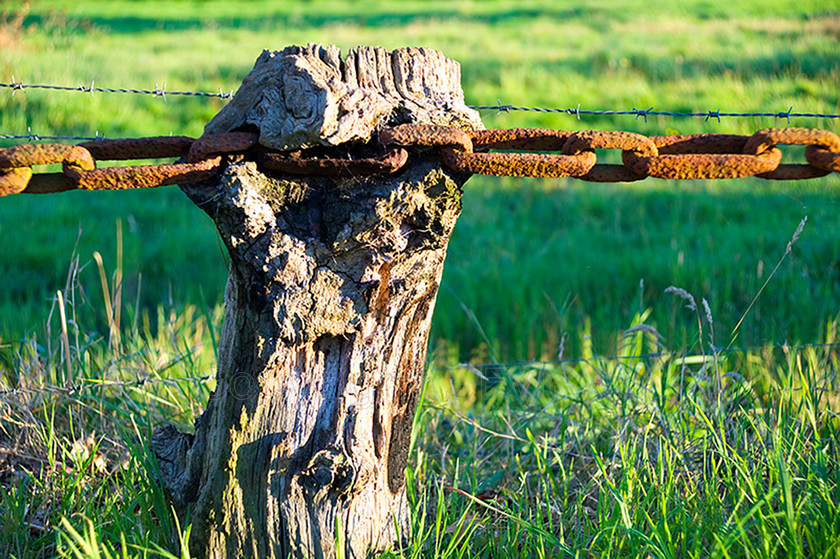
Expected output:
{"points": [[303, 446]]}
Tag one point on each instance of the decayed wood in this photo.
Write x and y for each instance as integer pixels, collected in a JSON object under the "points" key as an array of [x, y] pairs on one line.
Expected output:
{"points": [[308, 96], [303, 446]]}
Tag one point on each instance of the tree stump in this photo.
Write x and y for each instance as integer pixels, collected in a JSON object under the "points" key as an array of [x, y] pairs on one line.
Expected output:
{"points": [[303, 446]]}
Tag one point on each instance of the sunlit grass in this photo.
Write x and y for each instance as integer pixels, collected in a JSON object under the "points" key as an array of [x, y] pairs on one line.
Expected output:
{"points": [[698, 448], [655, 450], [668, 456], [546, 240]]}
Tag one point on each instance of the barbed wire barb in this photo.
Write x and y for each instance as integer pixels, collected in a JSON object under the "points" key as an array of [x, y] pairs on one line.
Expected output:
{"points": [[716, 114], [156, 92], [642, 113], [499, 107], [32, 137]]}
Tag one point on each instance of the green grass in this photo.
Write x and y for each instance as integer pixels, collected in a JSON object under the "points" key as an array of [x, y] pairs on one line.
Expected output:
{"points": [[743, 57], [637, 458], [708, 454], [692, 451]]}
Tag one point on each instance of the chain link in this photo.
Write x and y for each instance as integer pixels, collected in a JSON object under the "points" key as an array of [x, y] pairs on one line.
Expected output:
{"points": [[144, 176], [518, 152], [138, 148], [16, 163], [297, 163], [698, 156], [702, 157]]}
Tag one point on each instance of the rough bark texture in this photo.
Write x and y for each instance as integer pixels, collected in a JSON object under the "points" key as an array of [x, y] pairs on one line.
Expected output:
{"points": [[308, 96], [303, 446]]}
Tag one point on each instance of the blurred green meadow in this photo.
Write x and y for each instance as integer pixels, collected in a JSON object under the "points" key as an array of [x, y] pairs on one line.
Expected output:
{"points": [[706, 456], [530, 260]]}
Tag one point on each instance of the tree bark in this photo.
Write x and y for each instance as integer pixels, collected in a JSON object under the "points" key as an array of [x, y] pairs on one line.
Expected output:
{"points": [[303, 446]]}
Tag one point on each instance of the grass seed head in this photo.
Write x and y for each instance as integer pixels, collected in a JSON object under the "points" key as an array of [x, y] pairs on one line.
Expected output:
{"points": [[683, 294], [708, 312], [796, 234]]}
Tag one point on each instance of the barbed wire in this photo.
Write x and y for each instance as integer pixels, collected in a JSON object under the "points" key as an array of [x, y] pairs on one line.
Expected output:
{"points": [[577, 111], [32, 137], [89, 384], [158, 91], [644, 113]]}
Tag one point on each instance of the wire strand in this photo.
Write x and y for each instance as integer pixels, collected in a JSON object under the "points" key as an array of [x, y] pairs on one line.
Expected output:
{"points": [[577, 111], [156, 92], [38, 137], [716, 114]]}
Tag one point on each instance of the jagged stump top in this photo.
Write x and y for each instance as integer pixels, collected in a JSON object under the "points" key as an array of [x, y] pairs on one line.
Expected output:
{"points": [[308, 96]]}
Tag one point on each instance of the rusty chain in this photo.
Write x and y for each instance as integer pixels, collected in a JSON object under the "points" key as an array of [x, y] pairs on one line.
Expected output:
{"points": [[697, 156], [521, 152]]}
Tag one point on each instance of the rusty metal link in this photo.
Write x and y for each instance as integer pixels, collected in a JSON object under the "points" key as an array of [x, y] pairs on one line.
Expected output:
{"points": [[43, 154], [518, 152], [214, 144], [531, 139], [768, 138], [700, 143], [590, 140], [458, 150], [697, 156], [822, 158], [16, 163], [520, 164], [298, 164], [79, 168], [703, 165], [144, 176], [702, 156], [14, 180], [587, 140], [139, 148], [425, 135]]}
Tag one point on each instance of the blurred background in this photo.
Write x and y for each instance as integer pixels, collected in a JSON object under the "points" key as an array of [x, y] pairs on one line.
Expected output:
{"points": [[536, 268]]}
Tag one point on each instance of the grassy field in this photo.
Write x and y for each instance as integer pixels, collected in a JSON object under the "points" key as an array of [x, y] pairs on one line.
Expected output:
{"points": [[719, 454]]}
